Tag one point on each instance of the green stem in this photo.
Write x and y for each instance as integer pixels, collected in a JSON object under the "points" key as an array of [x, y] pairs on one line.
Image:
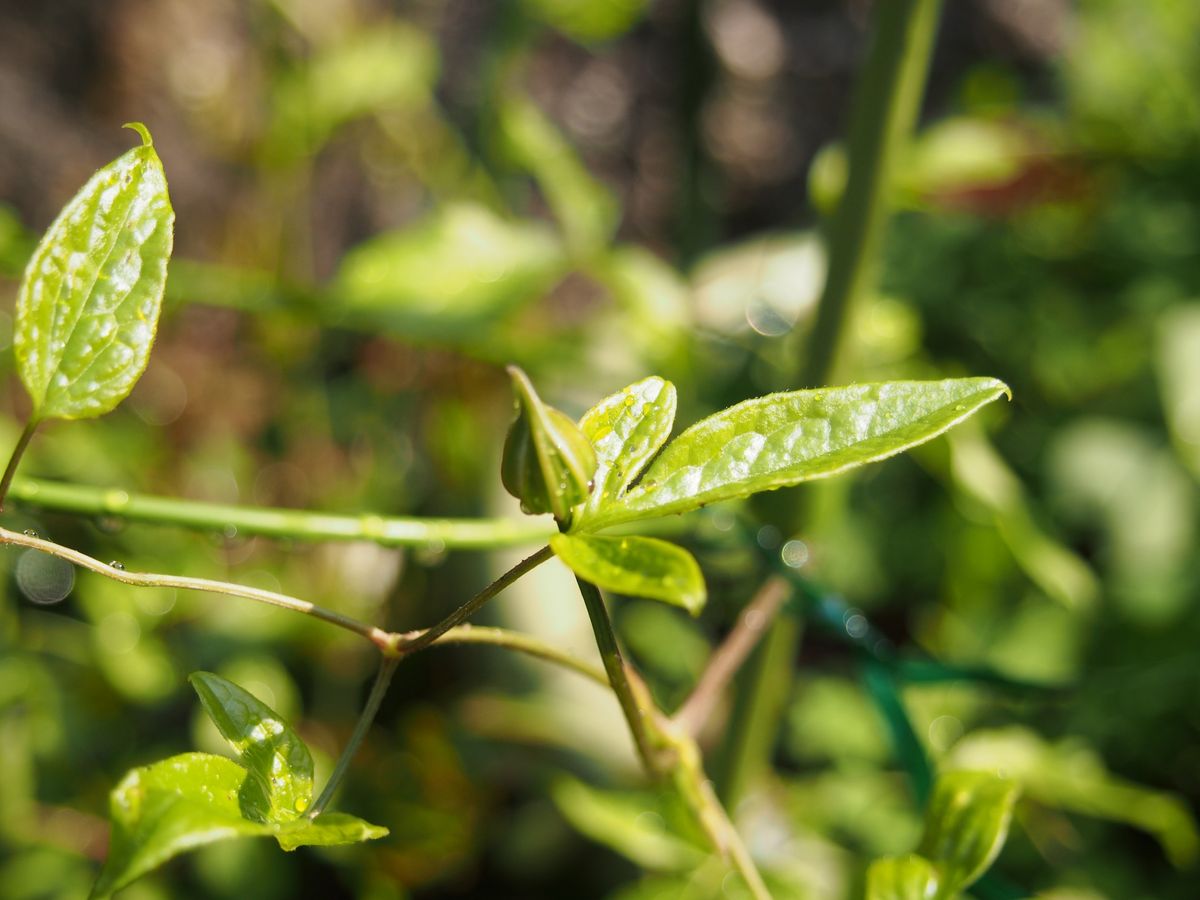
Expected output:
{"points": [[885, 109], [377, 636], [382, 679], [15, 459], [614, 665], [281, 523], [521, 643], [413, 641]]}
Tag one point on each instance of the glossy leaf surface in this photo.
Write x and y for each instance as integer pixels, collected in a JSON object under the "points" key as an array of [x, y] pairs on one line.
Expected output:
{"points": [[88, 308], [548, 463], [902, 878], [784, 439], [966, 824], [626, 429], [281, 768], [639, 566], [187, 801]]}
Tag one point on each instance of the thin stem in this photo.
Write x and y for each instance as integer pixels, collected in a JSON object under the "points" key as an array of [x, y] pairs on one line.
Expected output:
{"points": [[383, 678], [380, 638], [409, 643], [614, 665], [885, 109], [15, 459], [725, 662], [522, 643], [389, 531]]}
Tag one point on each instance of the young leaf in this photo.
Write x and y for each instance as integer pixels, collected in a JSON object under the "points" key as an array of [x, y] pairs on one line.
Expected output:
{"points": [[784, 439], [640, 566], [186, 801], [280, 786], [548, 464], [965, 826], [161, 810], [626, 429], [902, 878], [88, 307]]}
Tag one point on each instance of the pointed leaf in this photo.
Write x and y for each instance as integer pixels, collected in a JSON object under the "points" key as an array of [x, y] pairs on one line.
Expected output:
{"points": [[187, 801], [327, 830], [88, 308], [548, 464], [281, 768], [161, 810], [640, 566], [966, 824], [784, 439], [902, 878], [626, 429]]}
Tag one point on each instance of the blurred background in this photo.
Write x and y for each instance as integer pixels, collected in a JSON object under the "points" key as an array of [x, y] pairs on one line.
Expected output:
{"points": [[380, 204]]}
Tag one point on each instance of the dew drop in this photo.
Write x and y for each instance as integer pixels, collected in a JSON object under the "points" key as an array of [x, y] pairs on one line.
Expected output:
{"points": [[29, 532], [117, 564], [301, 804]]}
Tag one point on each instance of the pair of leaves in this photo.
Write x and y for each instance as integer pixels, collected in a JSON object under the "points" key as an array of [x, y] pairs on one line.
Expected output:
{"points": [[89, 304], [761, 444], [966, 824], [186, 801]]}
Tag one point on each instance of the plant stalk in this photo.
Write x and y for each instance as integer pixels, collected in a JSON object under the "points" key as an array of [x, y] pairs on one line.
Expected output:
{"points": [[15, 459], [614, 666], [383, 678], [884, 112], [413, 641], [390, 531]]}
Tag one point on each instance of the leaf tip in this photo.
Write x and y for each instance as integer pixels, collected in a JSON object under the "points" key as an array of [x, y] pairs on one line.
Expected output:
{"points": [[142, 131]]}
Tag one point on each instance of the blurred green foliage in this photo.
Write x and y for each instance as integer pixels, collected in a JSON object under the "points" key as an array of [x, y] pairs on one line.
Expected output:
{"points": [[377, 209]]}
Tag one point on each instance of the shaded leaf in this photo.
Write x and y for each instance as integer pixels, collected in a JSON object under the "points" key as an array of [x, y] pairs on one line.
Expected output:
{"points": [[902, 878], [88, 307], [639, 566], [784, 439], [547, 463], [281, 784], [187, 801], [966, 824], [626, 429]]}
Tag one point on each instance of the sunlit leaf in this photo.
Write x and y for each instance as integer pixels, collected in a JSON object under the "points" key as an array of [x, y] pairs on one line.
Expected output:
{"points": [[638, 566], [902, 878], [784, 439], [626, 429], [966, 824], [187, 801], [281, 768], [88, 307], [588, 20], [448, 276], [548, 463]]}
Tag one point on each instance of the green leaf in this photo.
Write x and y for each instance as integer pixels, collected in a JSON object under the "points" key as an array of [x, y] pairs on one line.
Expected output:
{"points": [[88, 307], [161, 810], [626, 429], [450, 276], [902, 878], [784, 439], [187, 801], [281, 784], [548, 463], [639, 566], [966, 824]]}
